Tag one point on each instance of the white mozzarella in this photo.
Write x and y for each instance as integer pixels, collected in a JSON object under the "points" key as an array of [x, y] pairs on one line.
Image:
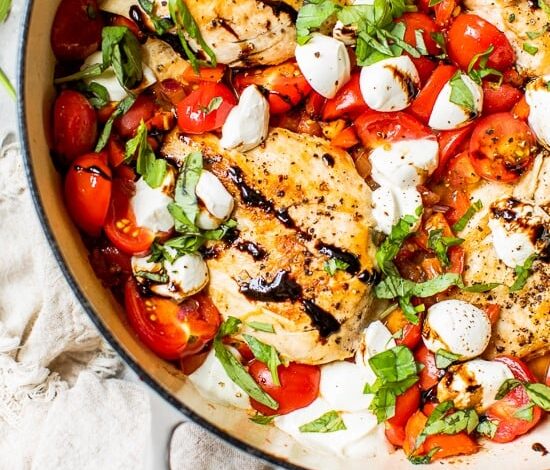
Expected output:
{"points": [[325, 64], [247, 124], [214, 384], [216, 199], [447, 115], [384, 209], [473, 384], [150, 207], [390, 84], [457, 327], [537, 96], [512, 249], [376, 339], [140, 264], [187, 275], [342, 385], [406, 163], [348, 34]]}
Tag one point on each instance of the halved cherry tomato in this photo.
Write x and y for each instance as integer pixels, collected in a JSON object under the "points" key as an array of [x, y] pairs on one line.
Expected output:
{"points": [[457, 258], [420, 22], [116, 151], [449, 144], [444, 12], [88, 192], [430, 374], [314, 105], [346, 138], [169, 329], [375, 129], [205, 74], [194, 113], [170, 91], [142, 110], [284, 85], [299, 386], [503, 411], [470, 35], [493, 312], [118, 20], [424, 102], [410, 333], [120, 225], [458, 202], [395, 434], [499, 98], [110, 265], [460, 171], [74, 125], [406, 405], [521, 110], [425, 68], [347, 102], [76, 30], [501, 147]]}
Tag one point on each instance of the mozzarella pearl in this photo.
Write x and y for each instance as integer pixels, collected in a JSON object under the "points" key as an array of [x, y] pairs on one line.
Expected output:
{"points": [[150, 207], [390, 84], [247, 124], [325, 64], [187, 275], [376, 339], [457, 327], [447, 115], [537, 96], [216, 199], [390, 205], [342, 385], [473, 384]]}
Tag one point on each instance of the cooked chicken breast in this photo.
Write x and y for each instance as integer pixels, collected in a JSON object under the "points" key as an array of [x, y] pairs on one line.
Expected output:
{"points": [[517, 18], [240, 32], [523, 328], [300, 203]]}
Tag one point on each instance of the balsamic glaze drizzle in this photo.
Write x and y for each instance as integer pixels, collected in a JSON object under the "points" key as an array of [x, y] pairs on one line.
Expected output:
{"points": [[337, 253]]}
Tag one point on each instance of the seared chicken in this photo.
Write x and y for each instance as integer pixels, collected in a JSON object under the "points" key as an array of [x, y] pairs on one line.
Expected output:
{"points": [[523, 328], [300, 206], [519, 19]]}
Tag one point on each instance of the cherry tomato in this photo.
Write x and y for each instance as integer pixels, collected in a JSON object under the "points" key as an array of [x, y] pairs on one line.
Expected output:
{"points": [[375, 129], [499, 98], [521, 110], [460, 171], [76, 30], [116, 151], [142, 110], [120, 225], [410, 333], [314, 105], [299, 386], [205, 74], [493, 312], [406, 405], [194, 113], [420, 22], [110, 265], [74, 125], [458, 202], [501, 147], [430, 374], [88, 192], [169, 329], [347, 102], [470, 35], [345, 139], [444, 12], [503, 411], [118, 20], [424, 102], [395, 434], [449, 144], [425, 68], [284, 85]]}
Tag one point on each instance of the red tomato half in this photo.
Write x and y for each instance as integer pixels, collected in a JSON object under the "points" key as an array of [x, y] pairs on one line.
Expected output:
{"points": [[284, 85], [88, 192], [499, 98], [74, 125], [120, 226], [76, 30], [347, 102], [142, 110], [430, 374], [299, 386], [375, 129], [444, 11], [503, 411], [169, 329], [405, 406], [425, 68], [194, 115], [501, 147], [420, 22], [470, 35], [450, 143]]}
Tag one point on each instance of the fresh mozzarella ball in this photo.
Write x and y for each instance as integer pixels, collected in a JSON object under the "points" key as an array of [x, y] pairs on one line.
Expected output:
{"points": [[404, 164], [108, 78], [347, 34], [537, 96], [216, 199], [390, 205], [187, 275], [447, 115], [141, 265], [150, 207], [473, 384], [512, 249], [342, 385], [376, 339], [213, 383], [390, 85], [325, 63], [247, 124], [457, 327]]}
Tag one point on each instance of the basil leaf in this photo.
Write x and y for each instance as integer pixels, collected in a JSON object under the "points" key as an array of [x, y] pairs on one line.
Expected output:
{"points": [[507, 386], [91, 71], [122, 51], [186, 244], [525, 413], [155, 277], [444, 359], [462, 420], [437, 415], [420, 43], [482, 71], [440, 245], [259, 418], [423, 459], [186, 185], [523, 273], [214, 104], [229, 327], [487, 428], [259, 326], [121, 109], [470, 212], [481, 288], [5, 82], [221, 231], [333, 265], [433, 3], [539, 394], [394, 286], [267, 354], [530, 49], [97, 94], [161, 25], [331, 421], [5, 6], [461, 94], [440, 41], [312, 16]]}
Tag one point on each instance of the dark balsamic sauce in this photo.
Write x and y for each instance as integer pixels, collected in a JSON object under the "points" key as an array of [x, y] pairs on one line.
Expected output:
{"points": [[136, 15], [328, 159], [93, 170], [369, 277], [324, 321], [337, 253], [257, 252], [278, 7], [537, 447]]}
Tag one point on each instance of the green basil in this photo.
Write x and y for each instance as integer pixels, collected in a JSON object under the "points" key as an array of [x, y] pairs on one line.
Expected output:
{"points": [[525, 413], [522, 273], [444, 359], [121, 109], [267, 354], [333, 265], [97, 94], [487, 428], [433, 3], [530, 49], [155, 277], [470, 212], [423, 459], [440, 41], [186, 185], [312, 16], [91, 71], [261, 419], [5, 82], [122, 51], [331, 421], [420, 43], [440, 245], [539, 394], [161, 25], [461, 94], [482, 71], [5, 6], [259, 326], [481, 288], [506, 387]]}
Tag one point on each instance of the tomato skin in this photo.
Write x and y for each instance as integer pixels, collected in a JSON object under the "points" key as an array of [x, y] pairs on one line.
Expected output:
{"points": [[460, 171], [406, 405], [76, 29], [205, 74], [499, 98], [345, 139], [142, 110], [501, 147], [410, 333], [395, 434], [430, 374], [74, 125], [126, 236], [470, 35], [192, 118], [425, 68], [284, 85], [166, 327], [88, 192], [420, 22], [299, 386], [423, 104], [444, 12], [347, 102], [449, 144], [521, 110]]}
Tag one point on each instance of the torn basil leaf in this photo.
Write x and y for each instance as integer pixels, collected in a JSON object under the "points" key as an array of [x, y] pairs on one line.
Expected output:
{"points": [[444, 359], [440, 245], [331, 421], [461, 94], [487, 428], [522, 273], [121, 109], [185, 195], [333, 265], [261, 419], [259, 326], [470, 212], [267, 354]]}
